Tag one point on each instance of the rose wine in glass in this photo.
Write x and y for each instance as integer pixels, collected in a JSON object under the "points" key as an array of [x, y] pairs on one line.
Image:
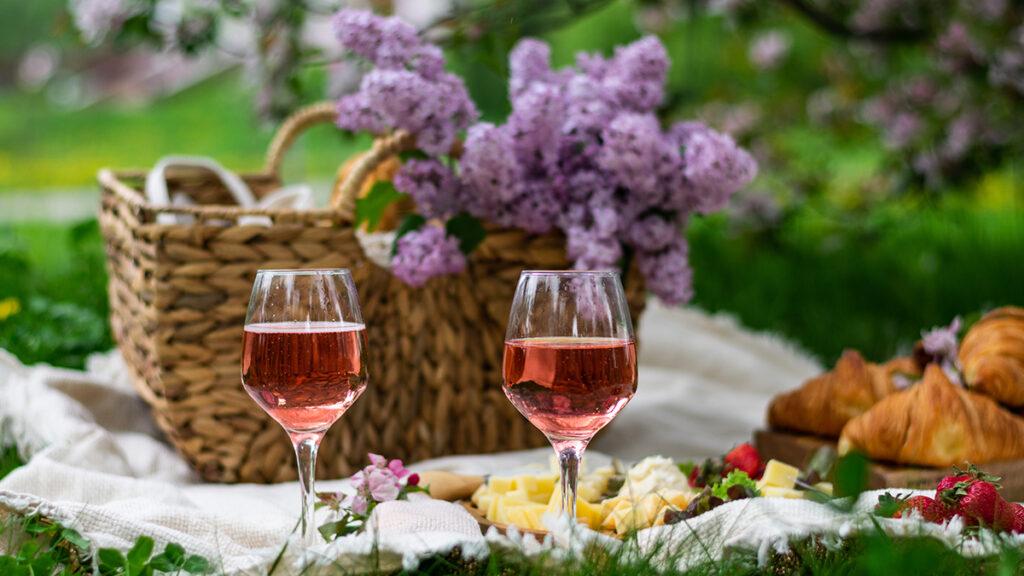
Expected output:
{"points": [[302, 360], [570, 361]]}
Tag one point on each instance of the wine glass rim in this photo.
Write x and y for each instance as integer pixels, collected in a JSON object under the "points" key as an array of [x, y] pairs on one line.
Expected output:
{"points": [[570, 273], [305, 271]]}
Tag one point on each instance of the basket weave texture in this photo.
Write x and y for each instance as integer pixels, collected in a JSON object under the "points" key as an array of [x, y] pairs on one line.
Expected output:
{"points": [[178, 295]]}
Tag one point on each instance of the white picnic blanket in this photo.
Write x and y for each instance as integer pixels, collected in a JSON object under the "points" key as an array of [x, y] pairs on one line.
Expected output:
{"points": [[97, 463]]}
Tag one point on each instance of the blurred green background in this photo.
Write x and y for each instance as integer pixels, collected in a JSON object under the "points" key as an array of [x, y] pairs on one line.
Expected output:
{"points": [[832, 247]]}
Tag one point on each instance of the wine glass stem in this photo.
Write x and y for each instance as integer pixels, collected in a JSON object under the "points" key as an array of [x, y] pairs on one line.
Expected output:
{"points": [[569, 457], [305, 453]]}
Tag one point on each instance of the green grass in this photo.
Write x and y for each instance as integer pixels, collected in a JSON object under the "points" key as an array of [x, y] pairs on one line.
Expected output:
{"points": [[9, 460], [870, 282], [42, 146]]}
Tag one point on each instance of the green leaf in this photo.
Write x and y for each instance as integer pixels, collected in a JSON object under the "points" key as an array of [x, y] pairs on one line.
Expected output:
{"points": [[370, 208], [75, 538], [11, 567], [413, 155], [196, 565], [162, 563], [111, 559], [175, 553], [889, 504], [140, 553], [468, 229], [851, 474], [409, 223], [36, 525], [28, 551], [43, 566], [735, 478]]}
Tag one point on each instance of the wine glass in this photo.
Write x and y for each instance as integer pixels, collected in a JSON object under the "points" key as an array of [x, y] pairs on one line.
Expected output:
{"points": [[570, 360], [302, 360]]}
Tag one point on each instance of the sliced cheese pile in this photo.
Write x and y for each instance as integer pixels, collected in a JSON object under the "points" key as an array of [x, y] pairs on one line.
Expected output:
{"points": [[652, 487], [523, 500]]}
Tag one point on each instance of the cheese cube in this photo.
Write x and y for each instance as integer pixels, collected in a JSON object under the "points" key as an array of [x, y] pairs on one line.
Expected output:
{"points": [[502, 484], [778, 475], [776, 492], [484, 502], [587, 513], [479, 493], [825, 487], [627, 517], [527, 516], [518, 494]]}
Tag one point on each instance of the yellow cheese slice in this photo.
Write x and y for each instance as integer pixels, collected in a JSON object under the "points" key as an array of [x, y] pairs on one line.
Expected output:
{"points": [[502, 484], [779, 475], [776, 492]]}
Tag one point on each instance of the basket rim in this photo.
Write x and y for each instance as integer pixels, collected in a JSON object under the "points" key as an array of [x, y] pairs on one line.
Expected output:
{"points": [[111, 179]]}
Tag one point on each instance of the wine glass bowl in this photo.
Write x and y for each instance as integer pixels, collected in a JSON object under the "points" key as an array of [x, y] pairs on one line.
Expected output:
{"points": [[303, 360], [570, 362]]}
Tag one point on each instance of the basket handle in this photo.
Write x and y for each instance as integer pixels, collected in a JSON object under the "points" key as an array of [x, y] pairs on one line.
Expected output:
{"points": [[300, 120], [383, 148], [323, 113]]}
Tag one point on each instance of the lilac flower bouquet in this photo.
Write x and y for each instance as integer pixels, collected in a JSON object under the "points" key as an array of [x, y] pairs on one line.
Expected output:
{"points": [[582, 153]]}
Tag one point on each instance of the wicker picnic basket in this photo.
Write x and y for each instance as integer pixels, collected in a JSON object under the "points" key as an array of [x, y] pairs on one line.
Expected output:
{"points": [[178, 296]]}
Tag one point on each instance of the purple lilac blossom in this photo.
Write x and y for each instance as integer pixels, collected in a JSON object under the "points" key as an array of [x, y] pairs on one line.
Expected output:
{"points": [[425, 253], [408, 88], [1008, 68], [942, 340], [537, 210], [490, 170], [667, 273], [651, 233], [431, 185], [957, 49], [529, 63], [582, 152], [535, 125], [767, 50], [633, 146], [717, 168], [942, 346], [636, 74]]}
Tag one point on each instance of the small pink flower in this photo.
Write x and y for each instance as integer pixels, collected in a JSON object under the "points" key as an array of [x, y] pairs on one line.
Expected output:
{"points": [[378, 460], [383, 485], [397, 468], [413, 480], [359, 504]]}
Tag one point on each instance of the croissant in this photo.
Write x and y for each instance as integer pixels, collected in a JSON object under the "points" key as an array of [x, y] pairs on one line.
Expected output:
{"points": [[824, 404], [936, 423], [992, 356]]}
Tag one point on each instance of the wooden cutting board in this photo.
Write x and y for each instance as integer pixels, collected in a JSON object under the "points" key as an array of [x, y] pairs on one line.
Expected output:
{"points": [[797, 449]]}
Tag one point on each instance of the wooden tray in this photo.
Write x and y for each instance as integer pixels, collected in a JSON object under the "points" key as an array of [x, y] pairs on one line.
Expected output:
{"points": [[797, 449]]}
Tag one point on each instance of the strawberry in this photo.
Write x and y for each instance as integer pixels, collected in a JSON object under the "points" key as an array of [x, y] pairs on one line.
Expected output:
{"points": [[1005, 516], [1018, 518], [930, 509], [949, 482], [695, 478], [746, 458], [975, 496], [977, 501]]}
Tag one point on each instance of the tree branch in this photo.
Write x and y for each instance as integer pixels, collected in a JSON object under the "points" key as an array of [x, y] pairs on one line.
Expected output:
{"points": [[838, 27]]}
